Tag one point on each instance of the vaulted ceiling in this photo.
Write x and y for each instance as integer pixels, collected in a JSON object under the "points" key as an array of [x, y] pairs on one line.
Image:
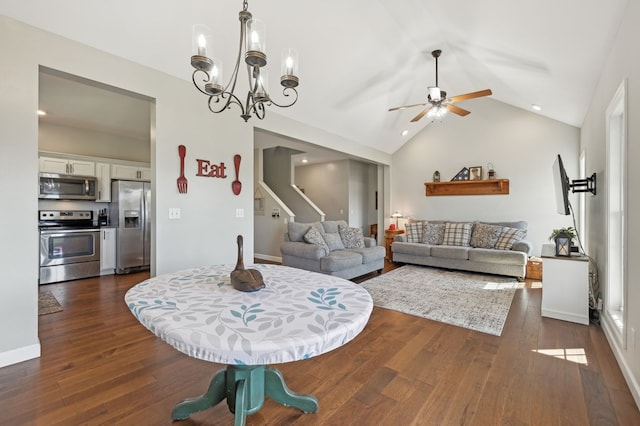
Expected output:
{"points": [[358, 58]]}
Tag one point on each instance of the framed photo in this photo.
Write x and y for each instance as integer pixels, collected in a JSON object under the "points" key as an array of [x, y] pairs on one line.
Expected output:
{"points": [[475, 173]]}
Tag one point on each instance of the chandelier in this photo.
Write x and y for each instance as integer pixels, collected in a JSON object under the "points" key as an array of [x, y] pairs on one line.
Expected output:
{"points": [[207, 74]]}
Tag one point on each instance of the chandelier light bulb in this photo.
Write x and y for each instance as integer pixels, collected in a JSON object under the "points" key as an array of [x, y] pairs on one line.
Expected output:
{"points": [[202, 45]]}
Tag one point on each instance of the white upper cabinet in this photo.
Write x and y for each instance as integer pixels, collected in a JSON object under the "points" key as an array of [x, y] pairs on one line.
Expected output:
{"points": [[121, 171], [67, 166], [103, 173]]}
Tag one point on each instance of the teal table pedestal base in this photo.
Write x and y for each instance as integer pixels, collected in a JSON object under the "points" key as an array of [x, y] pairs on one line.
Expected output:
{"points": [[244, 387]]}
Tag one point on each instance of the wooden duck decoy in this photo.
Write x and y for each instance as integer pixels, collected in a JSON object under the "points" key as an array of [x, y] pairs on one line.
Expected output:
{"points": [[245, 279]]}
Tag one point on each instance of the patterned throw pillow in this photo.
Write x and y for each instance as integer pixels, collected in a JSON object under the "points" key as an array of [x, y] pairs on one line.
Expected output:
{"points": [[414, 232], [351, 237], [510, 236], [485, 235], [433, 233], [457, 234], [314, 237]]}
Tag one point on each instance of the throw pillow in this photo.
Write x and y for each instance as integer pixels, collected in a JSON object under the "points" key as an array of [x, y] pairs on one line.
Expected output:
{"points": [[334, 241], [485, 235], [433, 233], [509, 236], [457, 234], [314, 237], [414, 232], [351, 237]]}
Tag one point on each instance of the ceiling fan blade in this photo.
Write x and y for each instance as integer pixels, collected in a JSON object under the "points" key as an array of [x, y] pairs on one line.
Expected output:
{"points": [[457, 110], [471, 95], [422, 113], [406, 106]]}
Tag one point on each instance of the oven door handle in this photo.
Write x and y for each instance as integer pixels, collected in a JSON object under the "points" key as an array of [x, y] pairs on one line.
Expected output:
{"points": [[69, 231]]}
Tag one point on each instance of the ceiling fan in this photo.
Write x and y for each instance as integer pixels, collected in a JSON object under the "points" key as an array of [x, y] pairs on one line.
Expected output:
{"points": [[437, 102]]}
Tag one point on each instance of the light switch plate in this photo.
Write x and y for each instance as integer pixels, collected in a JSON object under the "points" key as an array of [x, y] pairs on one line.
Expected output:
{"points": [[174, 213], [239, 212]]}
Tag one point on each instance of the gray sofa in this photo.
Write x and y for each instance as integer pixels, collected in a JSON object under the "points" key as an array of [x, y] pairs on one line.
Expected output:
{"points": [[481, 253], [347, 254]]}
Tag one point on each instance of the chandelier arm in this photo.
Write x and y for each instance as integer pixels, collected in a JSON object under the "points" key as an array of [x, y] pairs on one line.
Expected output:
{"points": [[193, 78], [230, 99], [284, 92]]}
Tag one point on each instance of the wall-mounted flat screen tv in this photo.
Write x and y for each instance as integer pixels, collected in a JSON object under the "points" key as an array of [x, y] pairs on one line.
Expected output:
{"points": [[561, 185]]}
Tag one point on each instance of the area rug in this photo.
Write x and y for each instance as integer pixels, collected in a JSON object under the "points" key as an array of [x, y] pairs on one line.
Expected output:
{"points": [[475, 301], [47, 303]]}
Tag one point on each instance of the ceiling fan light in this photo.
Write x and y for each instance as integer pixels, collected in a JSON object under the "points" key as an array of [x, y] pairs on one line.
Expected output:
{"points": [[434, 93]]}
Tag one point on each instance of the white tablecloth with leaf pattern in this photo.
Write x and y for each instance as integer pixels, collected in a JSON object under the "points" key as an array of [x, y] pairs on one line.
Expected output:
{"points": [[298, 315]]}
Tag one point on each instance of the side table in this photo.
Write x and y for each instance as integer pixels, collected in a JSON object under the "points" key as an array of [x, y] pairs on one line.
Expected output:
{"points": [[389, 235]]}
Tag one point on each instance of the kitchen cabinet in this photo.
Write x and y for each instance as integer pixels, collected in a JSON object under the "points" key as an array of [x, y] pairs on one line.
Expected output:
{"points": [[107, 251], [121, 171], [67, 166], [103, 173]]}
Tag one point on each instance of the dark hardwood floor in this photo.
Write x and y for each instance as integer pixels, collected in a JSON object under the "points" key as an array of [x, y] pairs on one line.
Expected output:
{"points": [[100, 366]]}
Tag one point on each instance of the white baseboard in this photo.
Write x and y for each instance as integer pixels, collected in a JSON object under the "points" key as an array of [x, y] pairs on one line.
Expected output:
{"points": [[267, 257], [633, 384], [15, 356]]}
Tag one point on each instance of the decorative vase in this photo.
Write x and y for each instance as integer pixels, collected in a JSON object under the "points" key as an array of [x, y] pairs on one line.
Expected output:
{"points": [[245, 279]]}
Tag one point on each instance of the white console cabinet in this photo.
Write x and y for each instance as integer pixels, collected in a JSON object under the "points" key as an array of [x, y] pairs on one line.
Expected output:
{"points": [[107, 251], [565, 288]]}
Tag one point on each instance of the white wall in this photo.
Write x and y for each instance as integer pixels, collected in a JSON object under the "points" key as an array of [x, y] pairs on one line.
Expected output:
{"points": [[623, 63], [92, 143], [521, 145], [326, 184]]}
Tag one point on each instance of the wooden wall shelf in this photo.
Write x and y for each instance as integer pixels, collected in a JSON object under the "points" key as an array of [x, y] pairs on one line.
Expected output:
{"points": [[468, 187]]}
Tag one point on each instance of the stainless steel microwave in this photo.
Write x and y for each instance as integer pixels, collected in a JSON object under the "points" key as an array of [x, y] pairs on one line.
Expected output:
{"points": [[67, 187]]}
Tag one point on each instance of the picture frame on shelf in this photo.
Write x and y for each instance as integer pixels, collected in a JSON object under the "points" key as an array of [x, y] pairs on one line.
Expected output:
{"points": [[475, 173]]}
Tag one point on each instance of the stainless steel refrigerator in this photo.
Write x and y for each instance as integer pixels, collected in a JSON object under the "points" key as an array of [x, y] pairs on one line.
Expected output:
{"points": [[129, 213]]}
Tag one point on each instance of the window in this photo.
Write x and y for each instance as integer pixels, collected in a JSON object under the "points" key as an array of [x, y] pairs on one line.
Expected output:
{"points": [[616, 220]]}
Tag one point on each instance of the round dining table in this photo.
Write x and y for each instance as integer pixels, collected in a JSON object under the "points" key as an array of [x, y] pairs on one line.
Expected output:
{"points": [[297, 315]]}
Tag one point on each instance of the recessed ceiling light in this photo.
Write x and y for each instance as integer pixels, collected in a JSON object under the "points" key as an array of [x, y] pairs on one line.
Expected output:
{"points": [[304, 160], [41, 112], [536, 107], [405, 132]]}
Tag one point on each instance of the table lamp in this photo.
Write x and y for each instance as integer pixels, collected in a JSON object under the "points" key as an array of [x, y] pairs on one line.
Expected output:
{"points": [[397, 215]]}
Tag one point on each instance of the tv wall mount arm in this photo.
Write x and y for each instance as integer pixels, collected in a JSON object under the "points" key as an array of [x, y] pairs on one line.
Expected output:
{"points": [[584, 185]]}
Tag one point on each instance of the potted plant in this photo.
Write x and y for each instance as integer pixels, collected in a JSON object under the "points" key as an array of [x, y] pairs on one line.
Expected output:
{"points": [[563, 237]]}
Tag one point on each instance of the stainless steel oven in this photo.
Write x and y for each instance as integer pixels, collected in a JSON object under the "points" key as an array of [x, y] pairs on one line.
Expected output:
{"points": [[69, 246]]}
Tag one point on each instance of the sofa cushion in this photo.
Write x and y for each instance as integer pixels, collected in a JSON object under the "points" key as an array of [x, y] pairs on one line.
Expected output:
{"points": [[505, 257], [485, 235], [450, 252], [413, 249], [509, 236], [333, 241], [414, 232], [339, 260], [331, 226], [371, 254], [351, 237], [457, 233], [314, 237], [297, 230], [433, 233]]}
